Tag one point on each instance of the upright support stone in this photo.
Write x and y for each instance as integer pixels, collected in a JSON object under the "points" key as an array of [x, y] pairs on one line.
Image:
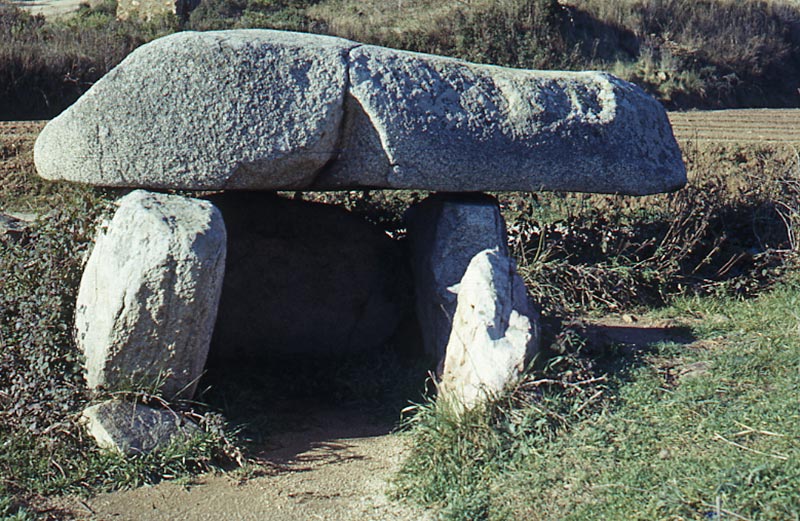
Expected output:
{"points": [[495, 331], [446, 231], [148, 297]]}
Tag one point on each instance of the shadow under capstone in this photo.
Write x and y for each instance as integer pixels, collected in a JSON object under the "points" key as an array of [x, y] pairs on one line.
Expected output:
{"points": [[316, 315]]}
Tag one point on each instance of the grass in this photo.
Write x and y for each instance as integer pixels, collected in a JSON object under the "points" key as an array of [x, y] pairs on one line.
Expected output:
{"points": [[708, 430]]}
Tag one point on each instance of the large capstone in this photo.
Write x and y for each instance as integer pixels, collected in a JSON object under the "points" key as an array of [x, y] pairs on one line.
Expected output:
{"points": [[149, 293], [445, 232], [495, 331], [305, 278], [234, 109], [261, 109]]}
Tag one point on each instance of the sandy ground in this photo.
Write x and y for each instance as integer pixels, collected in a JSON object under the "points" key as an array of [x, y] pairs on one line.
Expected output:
{"points": [[740, 126], [339, 469], [50, 8]]}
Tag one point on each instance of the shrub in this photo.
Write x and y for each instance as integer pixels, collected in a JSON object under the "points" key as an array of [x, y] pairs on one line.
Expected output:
{"points": [[708, 53], [732, 229], [45, 67]]}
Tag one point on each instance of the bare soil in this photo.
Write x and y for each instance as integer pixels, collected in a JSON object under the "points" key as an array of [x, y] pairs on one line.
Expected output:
{"points": [[50, 8], [338, 469]]}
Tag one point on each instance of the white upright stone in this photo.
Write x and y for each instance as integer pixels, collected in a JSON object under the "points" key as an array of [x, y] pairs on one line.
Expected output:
{"points": [[495, 331], [149, 293]]}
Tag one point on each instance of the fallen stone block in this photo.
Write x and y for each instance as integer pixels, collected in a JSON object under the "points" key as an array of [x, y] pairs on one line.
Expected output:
{"points": [[132, 428]]}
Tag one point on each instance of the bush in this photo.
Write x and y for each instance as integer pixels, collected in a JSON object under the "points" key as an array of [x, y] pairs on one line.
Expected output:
{"points": [[236, 14], [731, 230], [45, 67], [41, 378], [712, 53]]}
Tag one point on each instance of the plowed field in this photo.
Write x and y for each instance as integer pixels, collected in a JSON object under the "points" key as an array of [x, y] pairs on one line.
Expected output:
{"points": [[740, 126]]}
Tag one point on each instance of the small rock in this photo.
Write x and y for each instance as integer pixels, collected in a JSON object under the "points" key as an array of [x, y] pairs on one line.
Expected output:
{"points": [[12, 225], [495, 331], [131, 428]]}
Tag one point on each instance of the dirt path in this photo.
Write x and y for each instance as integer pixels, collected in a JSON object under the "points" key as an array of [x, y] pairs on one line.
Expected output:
{"points": [[338, 469]]}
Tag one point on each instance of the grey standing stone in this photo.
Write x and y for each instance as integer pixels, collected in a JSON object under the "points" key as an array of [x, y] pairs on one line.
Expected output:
{"points": [[445, 232], [148, 296], [230, 109], [495, 331], [131, 428], [305, 278]]}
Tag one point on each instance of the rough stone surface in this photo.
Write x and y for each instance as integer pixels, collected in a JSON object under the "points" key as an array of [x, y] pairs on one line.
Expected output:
{"points": [[305, 278], [260, 109], [230, 109], [435, 123], [445, 232], [148, 296], [495, 331], [131, 428]]}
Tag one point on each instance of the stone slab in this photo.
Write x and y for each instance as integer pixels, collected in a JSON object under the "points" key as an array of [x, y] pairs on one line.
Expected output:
{"points": [[272, 110]]}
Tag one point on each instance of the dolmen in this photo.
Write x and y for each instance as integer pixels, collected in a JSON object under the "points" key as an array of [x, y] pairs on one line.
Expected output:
{"points": [[246, 113]]}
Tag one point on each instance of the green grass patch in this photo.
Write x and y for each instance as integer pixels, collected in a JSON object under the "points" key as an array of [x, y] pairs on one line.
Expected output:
{"points": [[709, 430]]}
